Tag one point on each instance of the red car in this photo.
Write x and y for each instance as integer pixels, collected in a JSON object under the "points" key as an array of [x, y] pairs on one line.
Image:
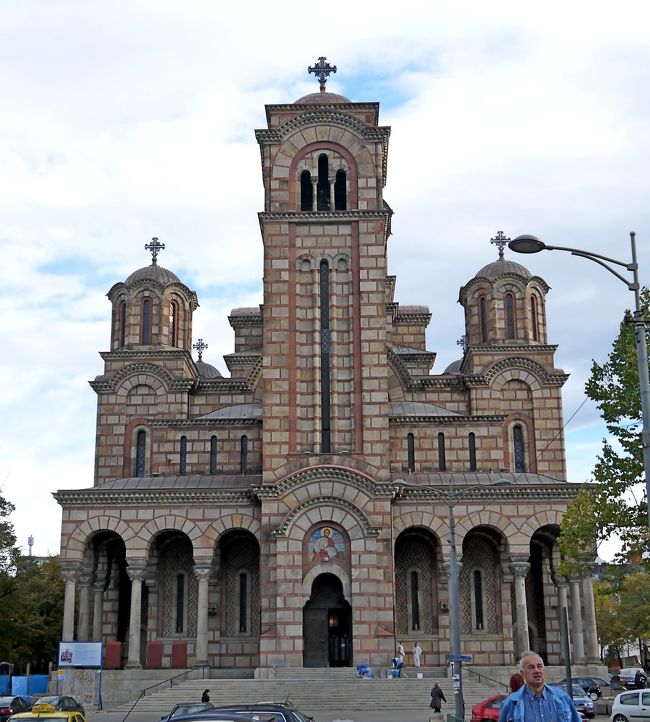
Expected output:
{"points": [[488, 709]]}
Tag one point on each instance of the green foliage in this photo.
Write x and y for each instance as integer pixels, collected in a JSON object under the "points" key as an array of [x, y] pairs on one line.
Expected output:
{"points": [[8, 553], [615, 503]]}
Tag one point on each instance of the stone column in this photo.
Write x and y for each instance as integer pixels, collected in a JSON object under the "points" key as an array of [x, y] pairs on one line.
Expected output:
{"points": [[577, 639], [519, 570], [592, 651], [314, 193], [83, 630], [70, 573], [98, 611], [202, 573], [332, 203], [136, 572]]}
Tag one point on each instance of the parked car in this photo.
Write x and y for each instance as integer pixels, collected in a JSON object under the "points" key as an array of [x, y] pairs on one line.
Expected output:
{"points": [[61, 703], [48, 713], [215, 716], [593, 686], [188, 708], [488, 709], [615, 683], [631, 707], [627, 677], [269, 711], [12, 705], [583, 704]]}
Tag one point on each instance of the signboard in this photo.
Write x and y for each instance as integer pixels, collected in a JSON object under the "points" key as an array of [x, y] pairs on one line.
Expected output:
{"points": [[80, 654], [459, 657]]}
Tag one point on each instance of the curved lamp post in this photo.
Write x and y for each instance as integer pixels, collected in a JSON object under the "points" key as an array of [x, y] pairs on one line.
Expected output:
{"points": [[532, 244], [451, 498]]}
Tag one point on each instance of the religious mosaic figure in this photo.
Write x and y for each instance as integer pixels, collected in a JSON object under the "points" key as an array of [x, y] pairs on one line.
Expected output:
{"points": [[326, 543]]}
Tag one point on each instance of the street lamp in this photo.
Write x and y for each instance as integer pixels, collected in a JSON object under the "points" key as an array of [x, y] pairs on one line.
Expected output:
{"points": [[532, 244], [451, 498]]}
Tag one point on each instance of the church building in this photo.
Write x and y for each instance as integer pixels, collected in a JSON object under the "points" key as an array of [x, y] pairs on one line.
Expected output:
{"points": [[302, 511]]}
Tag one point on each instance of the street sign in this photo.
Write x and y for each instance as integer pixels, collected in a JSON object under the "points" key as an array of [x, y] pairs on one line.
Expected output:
{"points": [[459, 657]]}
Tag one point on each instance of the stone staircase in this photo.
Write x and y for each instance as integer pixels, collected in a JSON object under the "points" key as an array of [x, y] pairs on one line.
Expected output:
{"points": [[322, 689]]}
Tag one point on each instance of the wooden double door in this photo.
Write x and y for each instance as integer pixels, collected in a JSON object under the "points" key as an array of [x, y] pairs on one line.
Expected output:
{"points": [[327, 625]]}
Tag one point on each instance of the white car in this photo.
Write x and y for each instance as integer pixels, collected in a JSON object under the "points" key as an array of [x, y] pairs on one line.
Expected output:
{"points": [[631, 707]]}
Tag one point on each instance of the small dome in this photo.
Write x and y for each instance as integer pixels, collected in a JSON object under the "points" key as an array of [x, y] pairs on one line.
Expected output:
{"points": [[207, 371], [454, 367], [322, 98], [501, 267], [154, 272]]}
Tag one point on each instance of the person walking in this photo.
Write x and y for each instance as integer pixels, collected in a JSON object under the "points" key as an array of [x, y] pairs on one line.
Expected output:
{"points": [[535, 700], [417, 653], [437, 697], [205, 697], [400, 652]]}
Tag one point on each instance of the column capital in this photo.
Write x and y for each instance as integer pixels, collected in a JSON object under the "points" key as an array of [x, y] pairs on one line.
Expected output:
{"points": [[136, 569], [70, 571], [519, 568], [202, 571]]}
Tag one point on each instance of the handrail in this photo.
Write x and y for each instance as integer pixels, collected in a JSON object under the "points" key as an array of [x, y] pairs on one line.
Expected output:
{"points": [[144, 691], [484, 676]]}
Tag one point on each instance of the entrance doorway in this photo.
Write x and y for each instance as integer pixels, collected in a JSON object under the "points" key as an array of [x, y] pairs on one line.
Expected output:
{"points": [[327, 625]]}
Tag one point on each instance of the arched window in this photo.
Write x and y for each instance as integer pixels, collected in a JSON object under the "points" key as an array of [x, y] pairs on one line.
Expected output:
{"points": [[410, 452], [534, 319], [442, 460], [121, 334], [243, 602], [243, 455], [325, 408], [483, 320], [140, 452], [179, 625], [477, 599], [472, 451], [340, 193], [213, 455], [518, 447], [509, 301], [173, 320], [414, 607], [306, 192], [182, 456], [145, 334], [323, 186]]}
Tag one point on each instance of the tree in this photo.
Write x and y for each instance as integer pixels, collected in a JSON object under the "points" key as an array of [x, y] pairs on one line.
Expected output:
{"points": [[615, 503], [8, 555]]}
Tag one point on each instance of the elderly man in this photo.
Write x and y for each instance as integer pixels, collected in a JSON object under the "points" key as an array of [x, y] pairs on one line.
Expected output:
{"points": [[536, 701]]}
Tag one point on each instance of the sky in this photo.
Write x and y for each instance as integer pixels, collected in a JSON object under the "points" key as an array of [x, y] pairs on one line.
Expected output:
{"points": [[125, 120]]}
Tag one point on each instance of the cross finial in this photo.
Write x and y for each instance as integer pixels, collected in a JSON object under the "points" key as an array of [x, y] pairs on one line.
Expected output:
{"points": [[200, 346], [501, 241], [155, 247], [462, 342], [322, 69]]}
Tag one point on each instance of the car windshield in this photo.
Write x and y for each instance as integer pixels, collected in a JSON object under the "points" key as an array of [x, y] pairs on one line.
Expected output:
{"points": [[191, 708]]}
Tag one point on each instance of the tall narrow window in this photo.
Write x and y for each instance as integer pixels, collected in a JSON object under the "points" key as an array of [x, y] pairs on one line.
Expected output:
{"points": [[340, 201], [180, 603], [243, 602], [472, 451], [483, 321], [121, 335], [478, 599], [213, 455], [415, 601], [518, 445], [173, 321], [323, 186], [325, 358], [534, 320], [410, 452], [509, 301], [182, 456], [306, 191], [442, 459], [146, 321], [243, 455], [140, 452]]}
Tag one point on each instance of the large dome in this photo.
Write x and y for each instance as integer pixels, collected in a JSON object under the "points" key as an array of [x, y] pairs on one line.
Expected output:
{"points": [[322, 98], [207, 371], [154, 272], [501, 267]]}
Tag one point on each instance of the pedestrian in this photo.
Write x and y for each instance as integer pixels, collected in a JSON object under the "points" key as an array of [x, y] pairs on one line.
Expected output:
{"points": [[437, 697], [535, 700], [516, 682], [400, 651], [205, 697], [417, 653], [639, 679]]}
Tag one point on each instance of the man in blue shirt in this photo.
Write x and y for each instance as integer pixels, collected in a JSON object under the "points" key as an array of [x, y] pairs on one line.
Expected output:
{"points": [[536, 701]]}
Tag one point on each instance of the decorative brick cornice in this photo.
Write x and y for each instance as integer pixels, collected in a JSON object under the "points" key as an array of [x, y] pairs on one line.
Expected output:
{"points": [[336, 107], [110, 384], [239, 386], [242, 360], [315, 474], [328, 501], [95, 498], [527, 364], [199, 423], [503, 493], [520, 281], [153, 283], [508, 348], [127, 354], [246, 320], [446, 420], [418, 318], [325, 115], [321, 216]]}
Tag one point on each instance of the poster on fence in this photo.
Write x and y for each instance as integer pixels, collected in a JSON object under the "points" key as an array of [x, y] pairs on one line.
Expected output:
{"points": [[80, 654]]}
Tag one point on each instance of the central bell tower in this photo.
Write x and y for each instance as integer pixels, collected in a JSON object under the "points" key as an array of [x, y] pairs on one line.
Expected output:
{"points": [[325, 227]]}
